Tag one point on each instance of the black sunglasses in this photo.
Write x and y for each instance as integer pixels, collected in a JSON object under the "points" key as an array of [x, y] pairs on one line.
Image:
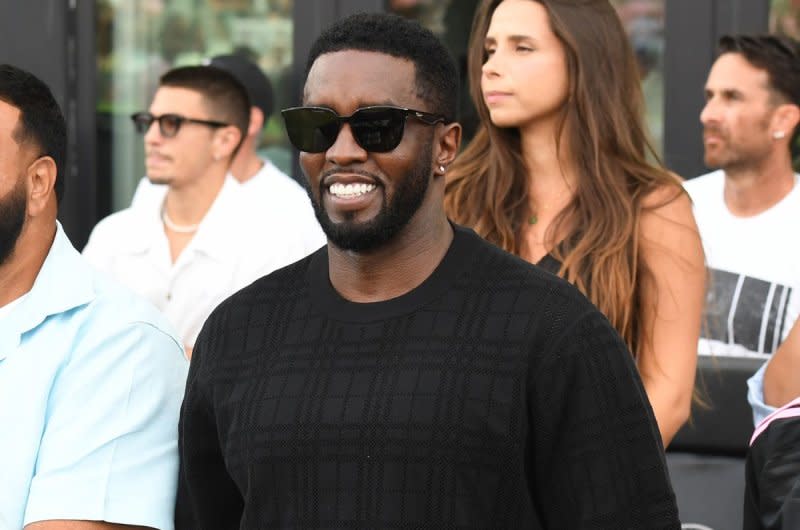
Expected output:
{"points": [[377, 129], [168, 124]]}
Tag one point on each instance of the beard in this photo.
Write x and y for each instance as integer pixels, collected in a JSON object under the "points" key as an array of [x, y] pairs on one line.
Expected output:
{"points": [[13, 208], [735, 154], [159, 181], [393, 216]]}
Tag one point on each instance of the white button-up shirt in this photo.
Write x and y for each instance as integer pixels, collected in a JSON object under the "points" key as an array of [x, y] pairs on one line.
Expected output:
{"points": [[236, 243]]}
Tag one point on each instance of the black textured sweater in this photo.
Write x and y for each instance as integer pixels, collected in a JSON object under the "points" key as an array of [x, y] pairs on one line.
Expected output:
{"points": [[494, 395]]}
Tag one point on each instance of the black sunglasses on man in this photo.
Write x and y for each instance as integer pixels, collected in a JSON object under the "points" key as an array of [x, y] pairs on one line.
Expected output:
{"points": [[169, 124], [377, 129]]}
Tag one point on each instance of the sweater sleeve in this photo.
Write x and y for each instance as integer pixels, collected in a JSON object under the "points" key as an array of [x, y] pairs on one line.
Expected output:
{"points": [[597, 457], [208, 498]]}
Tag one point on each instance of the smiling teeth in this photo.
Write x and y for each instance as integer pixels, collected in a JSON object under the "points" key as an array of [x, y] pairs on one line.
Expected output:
{"points": [[347, 191]]}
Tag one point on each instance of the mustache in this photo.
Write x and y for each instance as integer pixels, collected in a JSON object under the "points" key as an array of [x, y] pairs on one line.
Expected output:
{"points": [[713, 129], [350, 170], [157, 153]]}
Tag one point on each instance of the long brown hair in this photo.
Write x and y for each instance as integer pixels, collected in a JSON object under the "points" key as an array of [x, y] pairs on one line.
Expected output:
{"points": [[602, 122]]}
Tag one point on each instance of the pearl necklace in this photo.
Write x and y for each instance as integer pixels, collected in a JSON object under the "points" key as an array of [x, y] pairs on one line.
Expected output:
{"points": [[181, 229]]}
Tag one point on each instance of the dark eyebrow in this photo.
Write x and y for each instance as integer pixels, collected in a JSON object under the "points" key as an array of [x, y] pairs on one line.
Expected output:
{"points": [[727, 92], [513, 38], [517, 38]]}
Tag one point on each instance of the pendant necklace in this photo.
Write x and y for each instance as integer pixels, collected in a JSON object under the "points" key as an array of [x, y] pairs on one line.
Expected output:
{"points": [[534, 218]]}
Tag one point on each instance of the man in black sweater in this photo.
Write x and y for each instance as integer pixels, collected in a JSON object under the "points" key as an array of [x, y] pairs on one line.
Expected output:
{"points": [[408, 375]]}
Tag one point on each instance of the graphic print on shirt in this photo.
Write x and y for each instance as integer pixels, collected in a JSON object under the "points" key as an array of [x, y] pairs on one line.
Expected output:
{"points": [[745, 311]]}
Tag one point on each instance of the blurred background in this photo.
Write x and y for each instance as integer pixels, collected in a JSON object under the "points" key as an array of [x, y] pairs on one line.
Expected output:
{"points": [[103, 59]]}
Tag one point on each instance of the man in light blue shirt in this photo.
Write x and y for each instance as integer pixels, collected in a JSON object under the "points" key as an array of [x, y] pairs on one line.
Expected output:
{"points": [[91, 378]]}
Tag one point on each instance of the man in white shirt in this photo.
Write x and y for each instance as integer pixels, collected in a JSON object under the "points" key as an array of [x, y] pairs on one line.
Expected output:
{"points": [[747, 209], [91, 377], [203, 239], [282, 202]]}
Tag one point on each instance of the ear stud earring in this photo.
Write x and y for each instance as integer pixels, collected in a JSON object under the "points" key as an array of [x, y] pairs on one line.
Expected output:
{"points": [[442, 169], [778, 135]]}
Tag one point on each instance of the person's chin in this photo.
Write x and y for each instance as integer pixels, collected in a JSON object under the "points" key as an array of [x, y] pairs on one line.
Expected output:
{"points": [[503, 120], [712, 159], [159, 180], [352, 222]]}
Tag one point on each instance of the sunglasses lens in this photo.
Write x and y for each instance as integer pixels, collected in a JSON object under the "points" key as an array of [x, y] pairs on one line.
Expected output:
{"points": [[378, 129], [314, 130], [142, 122], [170, 124], [311, 130]]}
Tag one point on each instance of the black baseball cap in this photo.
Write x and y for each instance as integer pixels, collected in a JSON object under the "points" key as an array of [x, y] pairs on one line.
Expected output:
{"points": [[258, 87]]}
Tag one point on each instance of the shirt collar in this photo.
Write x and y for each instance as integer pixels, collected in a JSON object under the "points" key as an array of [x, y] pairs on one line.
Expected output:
{"points": [[219, 230], [64, 282], [215, 236]]}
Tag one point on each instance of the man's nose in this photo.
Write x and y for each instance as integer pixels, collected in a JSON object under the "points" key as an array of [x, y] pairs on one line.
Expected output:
{"points": [[345, 150], [710, 113], [153, 132]]}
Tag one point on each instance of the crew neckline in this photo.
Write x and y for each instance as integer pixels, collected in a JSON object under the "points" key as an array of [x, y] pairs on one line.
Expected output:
{"points": [[775, 209], [328, 300]]}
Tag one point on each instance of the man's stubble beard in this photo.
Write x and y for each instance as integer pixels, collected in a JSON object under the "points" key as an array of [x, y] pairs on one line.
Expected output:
{"points": [[736, 159]]}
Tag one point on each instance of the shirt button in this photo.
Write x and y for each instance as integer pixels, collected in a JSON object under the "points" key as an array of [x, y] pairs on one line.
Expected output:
{"points": [[169, 297]]}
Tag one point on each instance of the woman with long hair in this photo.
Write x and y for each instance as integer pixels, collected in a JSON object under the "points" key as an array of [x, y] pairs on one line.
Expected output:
{"points": [[558, 174]]}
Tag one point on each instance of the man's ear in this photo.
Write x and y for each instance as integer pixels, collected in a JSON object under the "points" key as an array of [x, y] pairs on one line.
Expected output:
{"points": [[448, 142], [785, 119], [41, 177], [225, 141], [256, 121]]}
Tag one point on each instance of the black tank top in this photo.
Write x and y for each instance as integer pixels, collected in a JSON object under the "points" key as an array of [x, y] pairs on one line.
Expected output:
{"points": [[549, 263]]}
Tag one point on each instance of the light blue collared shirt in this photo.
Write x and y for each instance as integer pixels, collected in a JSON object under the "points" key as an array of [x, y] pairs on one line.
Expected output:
{"points": [[91, 381]]}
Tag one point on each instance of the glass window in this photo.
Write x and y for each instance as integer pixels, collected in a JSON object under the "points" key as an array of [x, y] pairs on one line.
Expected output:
{"points": [[643, 20], [784, 18], [451, 20], [139, 41]]}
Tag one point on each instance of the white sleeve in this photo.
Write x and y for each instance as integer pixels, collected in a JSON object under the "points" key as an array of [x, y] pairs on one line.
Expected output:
{"points": [[97, 251]]}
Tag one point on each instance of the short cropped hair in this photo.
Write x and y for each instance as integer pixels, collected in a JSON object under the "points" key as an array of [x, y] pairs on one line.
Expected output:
{"points": [[435, 71], [224, 96], [778, 56], [41, 121]]}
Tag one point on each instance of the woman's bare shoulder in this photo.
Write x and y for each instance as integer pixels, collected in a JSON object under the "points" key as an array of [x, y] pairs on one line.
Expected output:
{"points": [[668, 202]]}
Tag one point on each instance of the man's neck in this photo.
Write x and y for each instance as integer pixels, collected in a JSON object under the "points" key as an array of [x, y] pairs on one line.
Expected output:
{"points": [[247, 163], [185, 207], [19, 272], [751, 191], [392, 270], [188, 205]]}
